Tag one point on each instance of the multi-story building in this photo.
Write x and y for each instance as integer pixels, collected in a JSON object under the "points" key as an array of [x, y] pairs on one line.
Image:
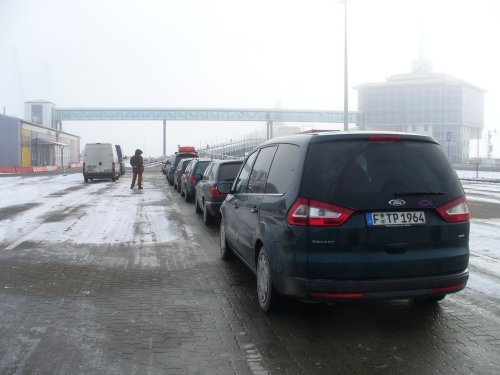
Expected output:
{"points": [[449, 109]]}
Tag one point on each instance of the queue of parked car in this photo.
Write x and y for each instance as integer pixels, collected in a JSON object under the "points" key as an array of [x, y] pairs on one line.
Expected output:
{"points": [[341, 216], [196, 180]]}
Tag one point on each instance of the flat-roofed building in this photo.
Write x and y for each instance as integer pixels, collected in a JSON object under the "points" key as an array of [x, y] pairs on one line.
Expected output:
{"points": [[449, 109], [27, 144]]}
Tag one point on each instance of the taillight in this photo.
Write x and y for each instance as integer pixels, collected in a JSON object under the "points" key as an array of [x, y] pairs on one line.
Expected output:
{"points": [[192, 180], [84, 166], [214, 193], [456, 211], [316, 213], [113, 167]]}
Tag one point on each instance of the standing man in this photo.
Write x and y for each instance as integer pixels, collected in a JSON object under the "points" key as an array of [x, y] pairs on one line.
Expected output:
{"points": [[137, 164]]}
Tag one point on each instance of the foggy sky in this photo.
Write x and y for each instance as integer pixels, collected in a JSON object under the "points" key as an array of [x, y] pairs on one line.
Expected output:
{"points": [[231, 54]]}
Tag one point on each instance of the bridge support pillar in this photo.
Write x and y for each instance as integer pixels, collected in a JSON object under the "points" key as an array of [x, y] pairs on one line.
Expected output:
{"points": [[269, 129], [164, 137]]}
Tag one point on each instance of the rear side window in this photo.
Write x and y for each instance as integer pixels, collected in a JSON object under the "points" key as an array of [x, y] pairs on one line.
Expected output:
{"points": [[228, 172], [355, 173], [260, 171], [209, 172], [283, 169], [241, 183], [189, 167], [182, 165]]}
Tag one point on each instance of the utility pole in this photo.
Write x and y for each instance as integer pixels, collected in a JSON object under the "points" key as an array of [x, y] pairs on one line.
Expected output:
{"points": [[346, 95]]}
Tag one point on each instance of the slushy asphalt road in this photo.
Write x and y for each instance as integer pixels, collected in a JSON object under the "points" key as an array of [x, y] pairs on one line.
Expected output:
{"points": [[98, 279]]}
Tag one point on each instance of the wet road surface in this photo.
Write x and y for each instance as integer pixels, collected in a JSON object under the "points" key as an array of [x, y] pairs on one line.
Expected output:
{"points": [[149, 295]]}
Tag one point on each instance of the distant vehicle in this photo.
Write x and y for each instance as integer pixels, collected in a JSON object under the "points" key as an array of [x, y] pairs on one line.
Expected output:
{"points": [[120, 158], [181, 167], [193, 173], [207, 198], [100, 161], [171, 165], [342, 216]]}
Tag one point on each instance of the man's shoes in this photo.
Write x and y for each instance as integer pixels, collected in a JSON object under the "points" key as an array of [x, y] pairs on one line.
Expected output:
{"points": [[131, 186], [140, 187]]}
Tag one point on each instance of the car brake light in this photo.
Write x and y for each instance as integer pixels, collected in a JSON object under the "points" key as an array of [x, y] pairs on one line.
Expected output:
{"points": [[382, 137], [214, 193], [316, 213], [113, 167], [192, 180], [456, 211]]}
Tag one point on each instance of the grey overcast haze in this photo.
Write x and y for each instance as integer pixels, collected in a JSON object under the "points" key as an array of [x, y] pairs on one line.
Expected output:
{"points": [[272, 54]]}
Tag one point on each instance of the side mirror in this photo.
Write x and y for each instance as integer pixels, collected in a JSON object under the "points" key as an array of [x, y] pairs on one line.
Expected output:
{"points": [[224, 187]]}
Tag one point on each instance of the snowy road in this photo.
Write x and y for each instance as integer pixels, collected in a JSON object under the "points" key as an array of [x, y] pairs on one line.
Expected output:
{"points": [[97, 278], [62, 209]]}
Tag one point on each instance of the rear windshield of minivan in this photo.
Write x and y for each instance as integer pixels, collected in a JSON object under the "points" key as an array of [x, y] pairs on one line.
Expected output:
{"points": [[362, 173]]}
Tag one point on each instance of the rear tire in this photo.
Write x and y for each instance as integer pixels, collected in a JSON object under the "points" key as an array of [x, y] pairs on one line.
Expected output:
{"points": [[197, 206], [266, 294], [225, 251], [207, 218]]}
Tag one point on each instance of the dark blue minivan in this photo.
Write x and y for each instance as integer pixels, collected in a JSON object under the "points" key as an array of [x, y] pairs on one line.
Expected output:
{"points": [[337, 216]]}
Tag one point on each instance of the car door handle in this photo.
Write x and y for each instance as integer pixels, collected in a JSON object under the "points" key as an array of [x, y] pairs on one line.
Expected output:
{"points": [[254, 210], [235, 206]]}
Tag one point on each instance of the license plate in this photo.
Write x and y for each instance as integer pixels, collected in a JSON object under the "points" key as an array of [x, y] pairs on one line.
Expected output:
{"points": [[395, 218]]}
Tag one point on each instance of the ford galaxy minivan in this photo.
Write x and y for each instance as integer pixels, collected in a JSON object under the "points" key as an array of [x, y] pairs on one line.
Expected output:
{"points": [[341, 216], [100, 161]]}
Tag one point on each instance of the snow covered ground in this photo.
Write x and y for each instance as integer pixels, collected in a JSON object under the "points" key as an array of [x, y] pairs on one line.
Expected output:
{"points": [[480, 175], [59, 209], [63, 209]]}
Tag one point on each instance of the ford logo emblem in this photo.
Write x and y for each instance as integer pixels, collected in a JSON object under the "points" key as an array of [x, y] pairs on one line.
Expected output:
{"points": [[397, 202]]}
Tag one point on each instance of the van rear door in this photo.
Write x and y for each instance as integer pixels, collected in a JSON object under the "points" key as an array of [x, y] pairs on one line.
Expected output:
{"points": [[394, 190]]}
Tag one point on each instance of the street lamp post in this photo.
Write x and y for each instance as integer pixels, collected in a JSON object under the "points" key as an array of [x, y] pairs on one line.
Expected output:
{"points": [[346, 99]]}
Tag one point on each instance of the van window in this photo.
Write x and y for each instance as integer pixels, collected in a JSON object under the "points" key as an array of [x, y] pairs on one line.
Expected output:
{"points": [[260, 171], [241, 183], [283, 169], [353, 173]]}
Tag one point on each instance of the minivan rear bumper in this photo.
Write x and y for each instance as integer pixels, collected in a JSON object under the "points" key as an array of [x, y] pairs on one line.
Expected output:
{"points": [[371, 289]]}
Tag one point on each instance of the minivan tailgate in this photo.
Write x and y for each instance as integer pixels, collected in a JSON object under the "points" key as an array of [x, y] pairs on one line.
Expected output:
{"points": [[357, 251]]}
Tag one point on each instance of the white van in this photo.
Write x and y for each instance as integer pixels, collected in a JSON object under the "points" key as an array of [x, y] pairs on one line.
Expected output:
{"points": [[100, 160]]}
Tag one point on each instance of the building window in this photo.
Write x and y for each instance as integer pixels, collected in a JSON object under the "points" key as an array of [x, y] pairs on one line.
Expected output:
{"points": [[36, 113]]}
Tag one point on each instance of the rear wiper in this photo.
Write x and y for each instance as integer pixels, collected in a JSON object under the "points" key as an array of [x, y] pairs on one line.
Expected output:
{"points": [[406, 193]]}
